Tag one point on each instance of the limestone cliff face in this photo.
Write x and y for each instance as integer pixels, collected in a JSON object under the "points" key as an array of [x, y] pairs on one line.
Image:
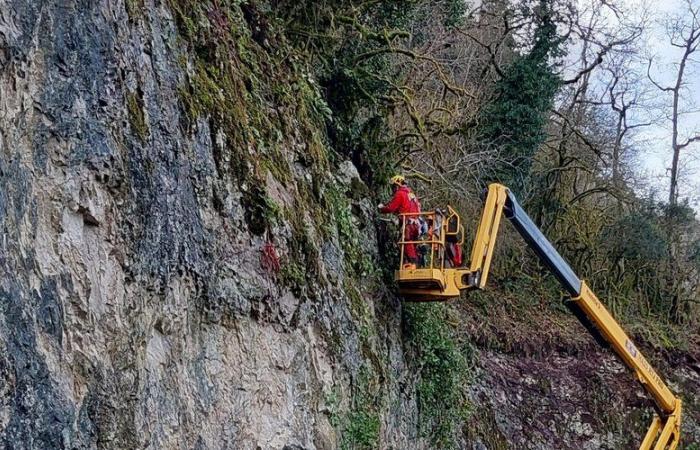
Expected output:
{"points": [[135, 308], [180, 273]]}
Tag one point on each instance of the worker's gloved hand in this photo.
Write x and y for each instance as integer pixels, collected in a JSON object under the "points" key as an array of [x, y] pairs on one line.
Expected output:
{"points": [[380, 206]]}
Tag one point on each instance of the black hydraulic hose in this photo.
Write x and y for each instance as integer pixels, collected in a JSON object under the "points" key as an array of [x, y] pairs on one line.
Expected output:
{"points": [[544, 249]]}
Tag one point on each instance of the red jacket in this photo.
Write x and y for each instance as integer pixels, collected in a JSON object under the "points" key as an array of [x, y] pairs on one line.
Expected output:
{"points": [[404, 201]]}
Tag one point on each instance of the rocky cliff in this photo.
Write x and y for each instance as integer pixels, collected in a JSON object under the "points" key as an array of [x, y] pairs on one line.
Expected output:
{"points": [[164, 284], [186, 263]]}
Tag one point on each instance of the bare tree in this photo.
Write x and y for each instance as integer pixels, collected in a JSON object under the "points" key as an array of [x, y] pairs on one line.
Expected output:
{"points": [[597, 81], [684, 33], [624, 97]]}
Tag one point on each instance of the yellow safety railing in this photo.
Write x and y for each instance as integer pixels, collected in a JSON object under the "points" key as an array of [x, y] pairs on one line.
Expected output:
{"points": [[434, 236]]}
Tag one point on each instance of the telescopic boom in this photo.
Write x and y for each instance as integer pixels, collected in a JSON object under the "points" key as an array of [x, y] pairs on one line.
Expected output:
{"points": [[435, 281], [664, 432]]}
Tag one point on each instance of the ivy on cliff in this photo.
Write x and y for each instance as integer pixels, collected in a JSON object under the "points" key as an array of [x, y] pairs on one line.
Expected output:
{"points": [[443, 365], [515, 121]]}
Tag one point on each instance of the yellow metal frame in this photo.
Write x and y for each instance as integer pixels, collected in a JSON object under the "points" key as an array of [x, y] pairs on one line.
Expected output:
{"points": [[447, 283], [485, 239], [440, 283], [434, 283]]}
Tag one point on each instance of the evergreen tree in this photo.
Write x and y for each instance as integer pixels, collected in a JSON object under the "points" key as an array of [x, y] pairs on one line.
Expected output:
{"points": [[515, 121]]}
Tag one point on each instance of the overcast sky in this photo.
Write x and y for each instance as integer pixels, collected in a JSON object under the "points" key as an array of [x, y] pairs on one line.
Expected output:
{"points": [[655, 141]]}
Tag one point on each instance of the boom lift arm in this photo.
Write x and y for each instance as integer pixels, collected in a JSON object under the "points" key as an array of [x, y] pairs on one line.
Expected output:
{"points": [[664, 432]]}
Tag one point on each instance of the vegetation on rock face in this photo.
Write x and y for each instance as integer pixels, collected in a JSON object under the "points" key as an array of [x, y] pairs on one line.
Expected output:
{"points": [[241, 65], [361, 425], [348, 233], [351, 44], [442, 364], [362, 432], [137, 119], [194, 280], [240, 68]]}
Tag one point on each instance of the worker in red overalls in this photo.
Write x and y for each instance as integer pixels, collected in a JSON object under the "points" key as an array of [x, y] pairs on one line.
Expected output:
{"points": [[405, 201]]}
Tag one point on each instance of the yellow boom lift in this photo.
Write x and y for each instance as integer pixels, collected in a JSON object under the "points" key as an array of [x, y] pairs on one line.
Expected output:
{"points": [[435, 281]]}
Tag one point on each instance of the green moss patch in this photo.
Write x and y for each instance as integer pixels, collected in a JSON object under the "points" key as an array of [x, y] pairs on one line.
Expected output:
{"points": [[137, 117]]}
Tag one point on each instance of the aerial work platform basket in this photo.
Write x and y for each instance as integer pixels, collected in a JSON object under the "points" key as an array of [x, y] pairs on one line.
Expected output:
{"points": [[439, 235], [441, 277]]}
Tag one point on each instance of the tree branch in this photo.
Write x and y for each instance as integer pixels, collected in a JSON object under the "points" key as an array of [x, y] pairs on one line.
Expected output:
{"points": [[689, 141], [598, 60], [665, 89]]}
